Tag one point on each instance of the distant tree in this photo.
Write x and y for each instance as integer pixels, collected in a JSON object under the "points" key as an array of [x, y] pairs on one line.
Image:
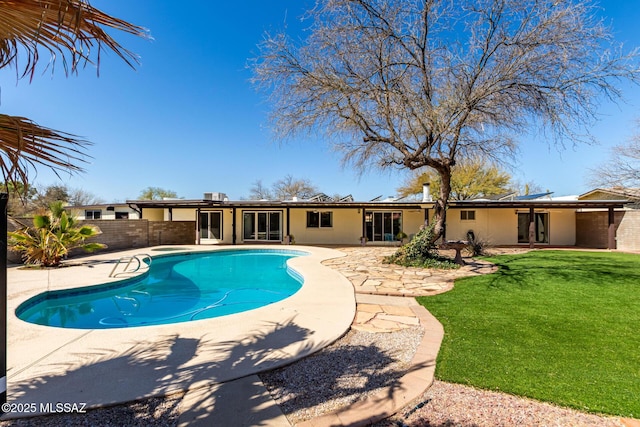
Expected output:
{"points": [[80, 197], [51, 194], [157, 193], [526, 188], [470, 179], [623, 167], [21, 197], [71, 31], [284, 189], [289, 187], [260, 192], [428, 83]]}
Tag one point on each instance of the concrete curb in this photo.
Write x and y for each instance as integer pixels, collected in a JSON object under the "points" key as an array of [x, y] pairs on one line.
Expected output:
{"points": [[392, 399]]}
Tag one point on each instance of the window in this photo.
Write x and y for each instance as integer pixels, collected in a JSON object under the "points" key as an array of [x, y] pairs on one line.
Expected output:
{"points": [[122, 215], [93, 214], [467, 215], [317, 219]]}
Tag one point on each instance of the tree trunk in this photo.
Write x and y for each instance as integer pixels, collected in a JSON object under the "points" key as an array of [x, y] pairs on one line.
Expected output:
{"points": [[440, 207]]}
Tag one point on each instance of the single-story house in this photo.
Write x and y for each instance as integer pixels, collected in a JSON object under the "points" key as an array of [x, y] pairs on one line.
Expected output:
{"points": [[532, 221], [104, 211]]}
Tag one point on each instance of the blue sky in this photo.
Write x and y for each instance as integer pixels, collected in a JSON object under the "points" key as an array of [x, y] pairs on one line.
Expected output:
{"points": [[188, 120]]}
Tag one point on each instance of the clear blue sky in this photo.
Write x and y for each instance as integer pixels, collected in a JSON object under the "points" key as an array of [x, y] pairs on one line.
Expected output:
{"points": [[188, 119]]}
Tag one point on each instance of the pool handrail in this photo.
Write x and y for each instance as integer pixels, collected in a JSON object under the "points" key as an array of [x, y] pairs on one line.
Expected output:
{"points": [[129, 259]]}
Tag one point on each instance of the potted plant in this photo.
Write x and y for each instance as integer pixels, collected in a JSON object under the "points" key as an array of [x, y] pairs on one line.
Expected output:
{"points": [[363, 240]]}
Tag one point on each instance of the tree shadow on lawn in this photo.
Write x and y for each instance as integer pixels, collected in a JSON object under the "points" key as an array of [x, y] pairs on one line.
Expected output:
{"points": [[532, 269]]}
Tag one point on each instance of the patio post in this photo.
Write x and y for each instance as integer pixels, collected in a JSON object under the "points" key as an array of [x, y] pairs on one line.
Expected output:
{"points": [[611, 240], [4, 197], [532, 228], [197, 226]]}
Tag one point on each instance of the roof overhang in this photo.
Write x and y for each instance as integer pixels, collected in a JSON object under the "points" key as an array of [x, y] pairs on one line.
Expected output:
{"points": [[460, 204], [539, 204]]}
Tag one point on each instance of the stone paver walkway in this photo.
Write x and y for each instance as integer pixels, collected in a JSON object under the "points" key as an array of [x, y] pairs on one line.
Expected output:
{"points": [[364, 267]]}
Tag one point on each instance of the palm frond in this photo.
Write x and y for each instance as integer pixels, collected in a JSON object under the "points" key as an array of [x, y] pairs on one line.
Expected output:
{"points": [[69, 29], [25, 144]]}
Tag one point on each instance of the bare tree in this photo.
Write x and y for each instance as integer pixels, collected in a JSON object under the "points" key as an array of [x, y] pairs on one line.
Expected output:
{"points": [[80, 197], [260, 192], [289, 187], [426, 82], [623, 167]]}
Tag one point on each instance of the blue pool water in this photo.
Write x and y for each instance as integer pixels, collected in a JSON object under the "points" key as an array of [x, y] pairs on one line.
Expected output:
{"points": [[177, 288]]}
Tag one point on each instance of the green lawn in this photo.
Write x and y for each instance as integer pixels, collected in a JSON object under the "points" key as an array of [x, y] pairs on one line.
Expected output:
{"points": [[557, 326]]}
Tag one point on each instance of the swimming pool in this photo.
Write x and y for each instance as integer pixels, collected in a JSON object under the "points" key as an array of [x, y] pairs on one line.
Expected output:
{"points": [[177, 288]]}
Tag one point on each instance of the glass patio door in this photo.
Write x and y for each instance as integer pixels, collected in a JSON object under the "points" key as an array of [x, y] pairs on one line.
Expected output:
{"points": [[266, 226], [211, 225], [541, 221], [382, 226]]}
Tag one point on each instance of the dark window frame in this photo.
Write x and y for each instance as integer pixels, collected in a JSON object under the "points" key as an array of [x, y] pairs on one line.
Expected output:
{"points": [[319, 219], [467, 215]]}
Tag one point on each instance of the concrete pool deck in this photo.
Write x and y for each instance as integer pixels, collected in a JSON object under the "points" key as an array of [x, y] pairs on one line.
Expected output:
{"points": [[110, 366]]}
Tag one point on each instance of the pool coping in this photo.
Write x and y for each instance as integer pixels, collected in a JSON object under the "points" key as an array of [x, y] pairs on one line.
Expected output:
{"points": [[49, 365]]}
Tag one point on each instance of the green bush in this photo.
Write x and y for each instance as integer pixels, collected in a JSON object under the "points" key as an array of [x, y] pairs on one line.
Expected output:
{"points": [[53, 235], [421, 251]]}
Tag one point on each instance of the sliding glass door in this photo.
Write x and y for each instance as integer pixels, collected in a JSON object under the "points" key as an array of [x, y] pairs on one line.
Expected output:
{"points": [[211, 225], [541, 221], [382, 226], [262, 226]]}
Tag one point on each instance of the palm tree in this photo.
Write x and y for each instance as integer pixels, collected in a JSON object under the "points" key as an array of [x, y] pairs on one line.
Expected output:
{"points": [[53, 235], [71, 31]]}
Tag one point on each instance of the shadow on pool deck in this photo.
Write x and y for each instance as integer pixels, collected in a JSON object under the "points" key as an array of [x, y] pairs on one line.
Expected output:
{"points": [[156, 367]]}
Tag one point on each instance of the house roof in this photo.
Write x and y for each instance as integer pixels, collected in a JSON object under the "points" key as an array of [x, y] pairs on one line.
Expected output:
{"points": [[198, 203], [539, 204], [385, 204], [620, 192]]}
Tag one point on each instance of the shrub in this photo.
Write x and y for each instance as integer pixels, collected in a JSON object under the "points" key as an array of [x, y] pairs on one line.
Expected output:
{"points": [[477, 246], [421, 251], [52, 236]]}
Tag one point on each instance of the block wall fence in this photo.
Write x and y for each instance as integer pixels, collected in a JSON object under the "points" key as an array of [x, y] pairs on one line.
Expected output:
{"points": [[591, 230], [129, 234]]}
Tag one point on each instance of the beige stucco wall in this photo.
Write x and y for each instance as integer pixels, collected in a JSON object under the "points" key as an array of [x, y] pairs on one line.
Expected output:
{"points": [[500, 226], [497, 226], [562, 227], [153, 214], [347, 226], [346, 230], [181, 214], [412, 220]]}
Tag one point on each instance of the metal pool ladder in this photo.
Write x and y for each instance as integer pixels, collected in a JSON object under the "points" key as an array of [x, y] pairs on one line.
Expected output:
{"points": [[129, 260]]}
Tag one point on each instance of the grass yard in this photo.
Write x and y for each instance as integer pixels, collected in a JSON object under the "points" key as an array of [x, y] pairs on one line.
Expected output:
{"points": [[557, 326]]}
